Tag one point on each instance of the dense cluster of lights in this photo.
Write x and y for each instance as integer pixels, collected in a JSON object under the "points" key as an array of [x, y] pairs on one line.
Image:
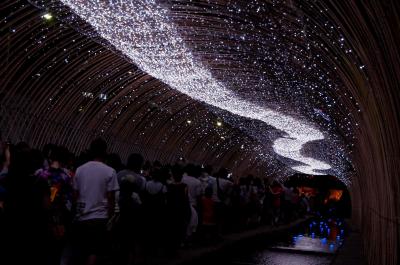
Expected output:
{"points": [[143, 31], [275, 65]]}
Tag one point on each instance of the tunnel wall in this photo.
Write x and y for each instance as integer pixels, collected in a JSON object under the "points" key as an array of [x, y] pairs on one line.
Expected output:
{"points": [[373, 29]]}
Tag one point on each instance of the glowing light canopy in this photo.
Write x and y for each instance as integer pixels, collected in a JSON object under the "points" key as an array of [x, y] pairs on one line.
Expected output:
{"points": [[143, 31]]}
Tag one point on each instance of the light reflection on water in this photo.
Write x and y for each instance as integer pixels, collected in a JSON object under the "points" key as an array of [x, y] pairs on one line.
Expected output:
{"points": [[322, 238]]}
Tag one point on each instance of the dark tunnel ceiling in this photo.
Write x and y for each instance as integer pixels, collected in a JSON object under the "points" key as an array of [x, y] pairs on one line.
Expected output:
{"points": [[284, 57]]}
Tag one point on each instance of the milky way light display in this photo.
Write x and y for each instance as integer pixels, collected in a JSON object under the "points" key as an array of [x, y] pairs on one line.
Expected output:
{"points": [[143, 31], [271, 71]]}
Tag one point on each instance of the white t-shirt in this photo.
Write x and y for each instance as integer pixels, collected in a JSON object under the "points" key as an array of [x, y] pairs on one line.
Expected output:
{"points": [[194, 188], [92, 181]]}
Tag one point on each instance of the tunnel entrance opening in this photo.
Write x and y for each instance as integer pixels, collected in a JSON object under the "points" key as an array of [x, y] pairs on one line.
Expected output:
{"points": [[327, 195]]}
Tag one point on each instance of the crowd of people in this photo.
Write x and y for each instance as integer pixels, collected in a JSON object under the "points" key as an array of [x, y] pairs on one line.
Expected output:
{"points": [[82, 210]]}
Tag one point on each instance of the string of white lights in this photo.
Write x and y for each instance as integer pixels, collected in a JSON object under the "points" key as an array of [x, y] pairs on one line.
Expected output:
{"points": [[142, 30]]}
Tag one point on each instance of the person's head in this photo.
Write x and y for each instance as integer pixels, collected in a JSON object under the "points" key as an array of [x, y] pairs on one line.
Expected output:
{"points": [[190, 169], [208, 169], [177, 173], [266, 181], [48, 149], [242, 181], [181, 162], [37, 157], [204, 173], [69, 159], [82, 158], [25, 162], [196, 171], [257, 182], [98, 149], [160, 174], [250, 179], [157, 164], [275, 183], [135, 162], [146, 168], [22, 147], [57, 155], [166, 173]]}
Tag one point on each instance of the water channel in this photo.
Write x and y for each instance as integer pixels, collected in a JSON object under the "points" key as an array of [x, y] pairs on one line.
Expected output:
{"points": [[312, 243]]}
